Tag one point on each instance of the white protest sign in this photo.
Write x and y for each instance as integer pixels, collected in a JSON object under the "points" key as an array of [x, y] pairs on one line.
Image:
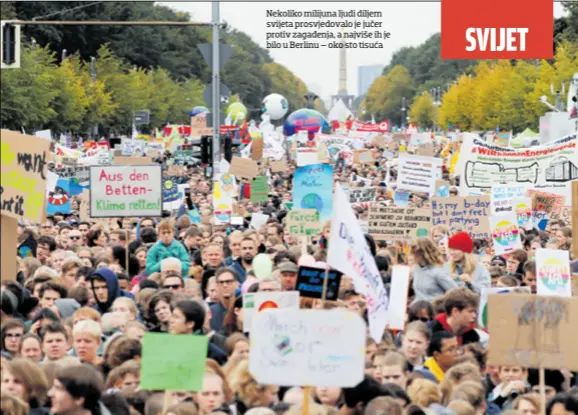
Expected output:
{"points": [[362, 195], [126, 191], [349, 253], [418, 173], [553, 272], [308, 347], [253, 303], [306, 156], [502, 196], [398, 297]]}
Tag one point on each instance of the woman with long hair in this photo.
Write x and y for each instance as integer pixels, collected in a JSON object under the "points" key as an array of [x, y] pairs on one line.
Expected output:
{"points": [[27, 381], [464, 266], [429, 278]]}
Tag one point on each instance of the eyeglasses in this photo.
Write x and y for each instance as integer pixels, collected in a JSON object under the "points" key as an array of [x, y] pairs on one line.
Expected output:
{"points": [[225, 282], [172, 286]]}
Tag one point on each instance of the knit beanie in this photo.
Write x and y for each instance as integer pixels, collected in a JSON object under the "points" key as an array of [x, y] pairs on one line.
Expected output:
{"points": [[461, 241]]}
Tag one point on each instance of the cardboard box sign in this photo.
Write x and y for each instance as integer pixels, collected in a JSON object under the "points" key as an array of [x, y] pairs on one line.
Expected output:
{"points": [[310, 283]]}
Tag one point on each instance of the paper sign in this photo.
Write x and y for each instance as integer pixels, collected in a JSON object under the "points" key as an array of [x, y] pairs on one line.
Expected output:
{"points": [[313, 189], [553, 272], [23, 175], [278, 166], [442, 188], [306, 156], [125, 191], [303, 222], [8, 233], [181, 369], [363, 157], [533, 331], [310, 283], [426, 150], [242, 167], [362, 195], [399, 224], [257, 148], [417, 173], [505, 233], [259, 189], [308, 347], [398, 293], [131, 161], [575, 216], [253, 303], [469, 214], [258, 220]]}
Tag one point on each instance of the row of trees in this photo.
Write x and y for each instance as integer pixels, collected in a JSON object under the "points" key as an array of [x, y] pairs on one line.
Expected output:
{"points": [[158, 68]]}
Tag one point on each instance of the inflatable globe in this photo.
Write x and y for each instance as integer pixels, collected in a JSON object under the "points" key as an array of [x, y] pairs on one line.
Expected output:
{"points": [[308, 120], [237, 112], [199, 109], [276, 106]]}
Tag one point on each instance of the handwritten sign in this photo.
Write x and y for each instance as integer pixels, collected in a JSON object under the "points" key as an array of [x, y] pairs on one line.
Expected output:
{"points": [[23, 175], [399, 224], [362, 195], [469, 214], [242, 167], [278, 166], [533, 331], [125, 191], [182, 369], [254, 303], [304, 222], [417, 173], [259, 189], [310, 283], [313, 189], [308, 347]]}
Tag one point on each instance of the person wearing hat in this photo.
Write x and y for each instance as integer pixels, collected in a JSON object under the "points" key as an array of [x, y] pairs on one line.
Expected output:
{"points": [[288, 271], [464, 266]]}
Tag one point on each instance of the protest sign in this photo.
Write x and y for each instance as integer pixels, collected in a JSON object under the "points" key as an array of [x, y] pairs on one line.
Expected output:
{"points": [[182, 369], [401, 198], [131, 161], [574, 200], [349, 253], [243, 167], [8, 234], [398, 294], [170, 189], [310, 283], [459, 214], [308, 347], [79, 173], [547, 167], [417, 173], [307, 156], [553, 272], [257, 148], [505, 233], [259, 189], [23, 176], [523, 208], [125, 191], [362, 195], [442, 188], [303, 222], [254, 303], [502, 197], [313, 189], [222, 203], [363, 157], [399, 224], [543, 205], [486, 291], [533, 331], [59, 200], [278, 166], [564, 214]]}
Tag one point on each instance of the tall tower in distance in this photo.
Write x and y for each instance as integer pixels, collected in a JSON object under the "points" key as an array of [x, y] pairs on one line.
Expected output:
{"points": [[342, 89]]}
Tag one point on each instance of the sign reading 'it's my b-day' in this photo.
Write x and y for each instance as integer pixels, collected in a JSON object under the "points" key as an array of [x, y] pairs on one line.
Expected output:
{"points": [[497, 29], [119, 191]]}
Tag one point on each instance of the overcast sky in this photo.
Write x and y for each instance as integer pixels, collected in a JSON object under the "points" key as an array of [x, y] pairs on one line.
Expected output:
{"points": [[409, 24]]}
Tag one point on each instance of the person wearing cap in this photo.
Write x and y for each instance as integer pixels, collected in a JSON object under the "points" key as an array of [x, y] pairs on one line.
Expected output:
{"points": [[288, 272], [464, 266]]}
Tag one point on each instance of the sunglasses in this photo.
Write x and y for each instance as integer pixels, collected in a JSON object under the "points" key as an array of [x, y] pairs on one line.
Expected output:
{"points": [[172, 286]]}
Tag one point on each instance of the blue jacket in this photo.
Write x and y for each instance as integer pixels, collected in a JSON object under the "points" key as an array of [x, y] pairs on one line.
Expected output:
{"points": [[160, 251], [113, 286], [240, 270]]}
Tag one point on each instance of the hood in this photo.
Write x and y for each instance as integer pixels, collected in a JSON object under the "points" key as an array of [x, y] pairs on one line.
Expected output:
{"points": [[66, 306], [112, 284]]}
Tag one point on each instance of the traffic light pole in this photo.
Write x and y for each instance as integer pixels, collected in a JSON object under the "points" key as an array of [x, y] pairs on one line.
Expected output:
{"points": [[216, 86]]}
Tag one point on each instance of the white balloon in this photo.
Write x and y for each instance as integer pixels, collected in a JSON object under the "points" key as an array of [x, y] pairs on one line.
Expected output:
{"points": [[276, 106]]}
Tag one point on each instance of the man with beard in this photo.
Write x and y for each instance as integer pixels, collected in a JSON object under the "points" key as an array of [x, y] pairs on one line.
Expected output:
{"points": [[244, 263]]}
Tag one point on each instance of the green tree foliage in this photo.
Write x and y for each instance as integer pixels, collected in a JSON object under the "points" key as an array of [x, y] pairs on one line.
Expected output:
{"points": [[384, 97], [422, 111]]}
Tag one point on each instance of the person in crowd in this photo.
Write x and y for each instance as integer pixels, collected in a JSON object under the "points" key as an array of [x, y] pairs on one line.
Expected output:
{"points": [[463, 266]]}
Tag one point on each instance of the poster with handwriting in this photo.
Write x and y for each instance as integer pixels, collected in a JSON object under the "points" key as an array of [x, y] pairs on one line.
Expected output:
{"points": [[303, 222], [23, 176], [308, 347], [469, 214], [254, 303], [399, 224], [310, 283], [313, 189]]}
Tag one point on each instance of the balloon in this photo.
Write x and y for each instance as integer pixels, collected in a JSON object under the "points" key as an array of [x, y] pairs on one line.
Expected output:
{"points": [[237, 112], [262, 266], [276, 106], [199, 109], [306, 261], [308, 120]]}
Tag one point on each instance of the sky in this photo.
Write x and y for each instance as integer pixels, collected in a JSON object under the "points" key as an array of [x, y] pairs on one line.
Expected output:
{"points": [[410, 24]]}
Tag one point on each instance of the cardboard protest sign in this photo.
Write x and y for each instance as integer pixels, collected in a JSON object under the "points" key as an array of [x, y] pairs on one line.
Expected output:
{"points": [[242, 167], [362, 195], [199, 126], [426, 150], [259, 189], [8, 233], [469, 214], [257, 148], [173, 361], [363, 157], [483, 311], [254, 303], [328, 349], [303, 222], [553, 272], [126, 191], [278, 166], [131, 161], [533, 331], [310, 283], [23, 179], [399, 224], [417, 173]]}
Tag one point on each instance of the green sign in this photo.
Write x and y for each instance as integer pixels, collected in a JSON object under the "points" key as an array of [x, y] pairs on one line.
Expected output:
{"points": [[260, 189], [173, 361], [288, 205]]}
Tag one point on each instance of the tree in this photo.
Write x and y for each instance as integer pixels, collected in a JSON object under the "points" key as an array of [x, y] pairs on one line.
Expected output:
{"points": [[384, 96], [422, 111]]}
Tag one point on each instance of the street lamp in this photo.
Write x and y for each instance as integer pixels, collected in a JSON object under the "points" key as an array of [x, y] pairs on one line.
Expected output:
{"points": [[403, 109]]}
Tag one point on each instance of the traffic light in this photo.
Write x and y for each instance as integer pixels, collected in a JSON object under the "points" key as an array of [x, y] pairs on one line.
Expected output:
{"points": [[228, 144], [10, 41], [206, 149]]}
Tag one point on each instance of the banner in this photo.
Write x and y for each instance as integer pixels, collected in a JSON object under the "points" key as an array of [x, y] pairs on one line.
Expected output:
{"points": [[549, 167]]}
